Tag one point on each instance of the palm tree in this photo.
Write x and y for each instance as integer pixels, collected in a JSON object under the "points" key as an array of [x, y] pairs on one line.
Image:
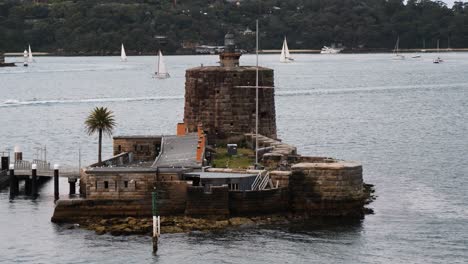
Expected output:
{"points": [[100, 120]]}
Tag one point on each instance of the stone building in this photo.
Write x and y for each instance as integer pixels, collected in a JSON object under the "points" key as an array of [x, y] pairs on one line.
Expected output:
{"points": [[222, 98], [220, 106]]}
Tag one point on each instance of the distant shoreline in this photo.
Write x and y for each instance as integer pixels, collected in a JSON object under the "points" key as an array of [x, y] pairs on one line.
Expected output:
{"points": [[271, 51]]}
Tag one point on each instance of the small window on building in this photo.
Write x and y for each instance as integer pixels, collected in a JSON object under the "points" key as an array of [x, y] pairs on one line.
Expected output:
{"points": [[233, 186], [120, 148], [125, 184], [106, 185]]}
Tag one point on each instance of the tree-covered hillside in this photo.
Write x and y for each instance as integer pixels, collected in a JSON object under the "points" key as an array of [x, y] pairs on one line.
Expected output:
{"points": [[99, 26]]}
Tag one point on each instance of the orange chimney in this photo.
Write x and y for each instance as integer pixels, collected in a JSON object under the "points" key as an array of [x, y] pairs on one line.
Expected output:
{"points": [[199, 153], [200, 130], [181, 129]]}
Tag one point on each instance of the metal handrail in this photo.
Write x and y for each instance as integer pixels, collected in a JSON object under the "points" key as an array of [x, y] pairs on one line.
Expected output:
{"points": [[264, 182]]}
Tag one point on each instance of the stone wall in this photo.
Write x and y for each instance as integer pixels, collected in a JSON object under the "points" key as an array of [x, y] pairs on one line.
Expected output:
{"points": [[213, 97], [143, 148], [258, 202], [207, 204], [314, 189], [123, 184], [171, 196], [171, 199], [69, 210], [326, 189], [119, 185], [280, 177]]}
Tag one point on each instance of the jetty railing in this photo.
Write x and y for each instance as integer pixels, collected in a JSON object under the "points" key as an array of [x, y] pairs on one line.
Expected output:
{"points": [[27, 165]]}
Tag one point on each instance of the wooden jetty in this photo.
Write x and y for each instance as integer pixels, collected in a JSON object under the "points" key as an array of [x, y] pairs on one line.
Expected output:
{"points": [[33, 173]]}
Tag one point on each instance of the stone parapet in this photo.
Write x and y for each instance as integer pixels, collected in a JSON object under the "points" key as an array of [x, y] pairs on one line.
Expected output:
{"points": [[334, 189], [207, 204], [258, 202]]}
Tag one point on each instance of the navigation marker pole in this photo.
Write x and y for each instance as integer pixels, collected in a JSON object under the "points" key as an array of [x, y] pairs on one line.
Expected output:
{"points": [[156, 223]]}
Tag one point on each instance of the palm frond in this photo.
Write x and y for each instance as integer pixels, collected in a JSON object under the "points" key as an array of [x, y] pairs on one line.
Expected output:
{"points": [[100, 118]]}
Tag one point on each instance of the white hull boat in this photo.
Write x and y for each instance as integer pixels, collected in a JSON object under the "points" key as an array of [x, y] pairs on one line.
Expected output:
{"points": [[161, 71]]}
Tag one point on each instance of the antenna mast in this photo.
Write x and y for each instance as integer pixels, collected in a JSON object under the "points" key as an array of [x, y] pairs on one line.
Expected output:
{"points": [[256, 98]]}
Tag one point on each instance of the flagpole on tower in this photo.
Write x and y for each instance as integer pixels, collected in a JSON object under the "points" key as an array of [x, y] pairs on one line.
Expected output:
{"points": [[256, 98]]}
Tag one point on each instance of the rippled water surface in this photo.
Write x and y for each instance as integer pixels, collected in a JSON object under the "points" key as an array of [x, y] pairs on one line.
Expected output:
{"points": [[406, 121]]}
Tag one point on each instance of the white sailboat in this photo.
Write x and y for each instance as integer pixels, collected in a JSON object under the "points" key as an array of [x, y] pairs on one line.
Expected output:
{"points": [[438, 59], [30, 56], [123, 56], [25, 56], [161, 71], [397, 55], [285, 56]]}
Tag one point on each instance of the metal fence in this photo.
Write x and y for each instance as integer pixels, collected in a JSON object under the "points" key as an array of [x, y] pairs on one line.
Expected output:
{"points": [[27, 165]]}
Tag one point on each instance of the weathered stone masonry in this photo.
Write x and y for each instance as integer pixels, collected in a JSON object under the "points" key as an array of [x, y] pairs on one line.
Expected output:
{"points": [[326, 189], [213, 97]]}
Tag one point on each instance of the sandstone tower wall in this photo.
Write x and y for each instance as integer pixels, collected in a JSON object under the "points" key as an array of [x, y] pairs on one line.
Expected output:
{"points": [[213, 97]]}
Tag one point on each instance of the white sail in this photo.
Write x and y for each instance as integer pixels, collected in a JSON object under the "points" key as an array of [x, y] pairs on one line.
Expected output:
{"points": [[397, 55], [438, 59], [123, 56], [285, 56], [161, 71], [30, 56], [286, 49]]}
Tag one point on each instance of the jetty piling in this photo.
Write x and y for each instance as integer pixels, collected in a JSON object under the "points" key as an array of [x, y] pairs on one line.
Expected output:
{"points": [[56, 182], [14, 184], [5, 163], [27, 185], [34, 180], [72, 182], [156, 223]]}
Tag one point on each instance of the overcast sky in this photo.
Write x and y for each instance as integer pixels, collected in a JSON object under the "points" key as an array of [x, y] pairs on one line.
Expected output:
{"points": [[449, 2]]}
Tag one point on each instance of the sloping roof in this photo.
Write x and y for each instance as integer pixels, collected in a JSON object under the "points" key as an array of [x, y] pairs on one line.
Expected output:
{"points": [[179, 152], [220, 175]]}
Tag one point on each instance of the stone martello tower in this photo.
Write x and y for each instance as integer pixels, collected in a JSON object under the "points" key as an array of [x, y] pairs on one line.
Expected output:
{"points": [[214, 98]]}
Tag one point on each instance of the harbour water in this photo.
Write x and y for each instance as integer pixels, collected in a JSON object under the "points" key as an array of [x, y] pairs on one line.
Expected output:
{"points": [[406, 121]]}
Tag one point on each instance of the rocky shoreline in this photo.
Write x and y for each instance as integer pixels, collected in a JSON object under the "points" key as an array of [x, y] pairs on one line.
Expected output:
{"points": [[183, 224], [172, 224]]}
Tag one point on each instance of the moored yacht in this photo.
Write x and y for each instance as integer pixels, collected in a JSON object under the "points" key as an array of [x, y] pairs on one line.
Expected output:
{"points": [[330, 50]]}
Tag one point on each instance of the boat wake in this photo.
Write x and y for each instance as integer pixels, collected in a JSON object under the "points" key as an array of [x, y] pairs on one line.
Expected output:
{"points": [[17, 103], [279, 93], [370, 89]]}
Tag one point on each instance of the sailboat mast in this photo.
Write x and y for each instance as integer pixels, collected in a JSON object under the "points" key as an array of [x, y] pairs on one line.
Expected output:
{"points": [[397, 44], [256, 97], [159, 61]]}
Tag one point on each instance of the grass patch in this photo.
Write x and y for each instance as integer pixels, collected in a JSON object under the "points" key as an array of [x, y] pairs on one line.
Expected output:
{"points": [[245, 157]]}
